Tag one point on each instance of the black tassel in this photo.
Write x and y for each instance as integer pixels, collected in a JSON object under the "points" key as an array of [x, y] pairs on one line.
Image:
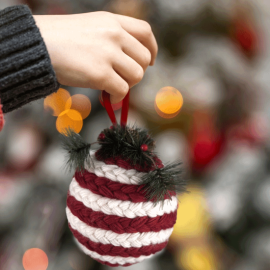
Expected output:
{"points": [[78, 151]]}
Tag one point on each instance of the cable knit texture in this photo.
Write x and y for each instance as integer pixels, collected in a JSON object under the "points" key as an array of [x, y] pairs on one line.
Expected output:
{"points": [[26, 72], [119, 207], [110, 217], [110, 189], [118, 224]]}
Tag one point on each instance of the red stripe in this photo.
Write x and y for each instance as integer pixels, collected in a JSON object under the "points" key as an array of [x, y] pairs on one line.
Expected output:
{"points": [[120, 224], [112, 250], [111, 189], [128, 165]]}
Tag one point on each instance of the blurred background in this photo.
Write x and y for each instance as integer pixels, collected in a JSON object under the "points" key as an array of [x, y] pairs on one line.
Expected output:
{"points": [[206, 102]]}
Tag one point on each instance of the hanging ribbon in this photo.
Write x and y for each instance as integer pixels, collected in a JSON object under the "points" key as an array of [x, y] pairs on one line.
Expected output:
{"points": [[109, 109]]}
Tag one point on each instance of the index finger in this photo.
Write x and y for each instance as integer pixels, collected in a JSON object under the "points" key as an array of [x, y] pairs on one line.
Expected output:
{"points": [[142, 31]]}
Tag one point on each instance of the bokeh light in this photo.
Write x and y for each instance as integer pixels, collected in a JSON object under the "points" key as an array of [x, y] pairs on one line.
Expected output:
{"points": [[69, 119], [199, 258], [79, 103], [35, 259], [168, 102], [192, 218], [56, 102]]}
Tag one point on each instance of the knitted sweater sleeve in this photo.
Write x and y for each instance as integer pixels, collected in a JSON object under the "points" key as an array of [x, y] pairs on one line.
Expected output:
{"points": [[26, 72]]}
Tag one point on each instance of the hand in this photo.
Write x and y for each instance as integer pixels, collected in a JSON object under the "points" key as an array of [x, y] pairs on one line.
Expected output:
{"points": [[98, 50]]}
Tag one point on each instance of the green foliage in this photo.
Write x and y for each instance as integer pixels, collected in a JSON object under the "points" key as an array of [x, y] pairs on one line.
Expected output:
{"points": [[78, 151], [162, 181], [126, 142]]}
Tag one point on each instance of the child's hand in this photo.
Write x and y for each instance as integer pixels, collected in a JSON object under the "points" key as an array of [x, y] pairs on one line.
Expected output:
{"points": [[98, 50]]}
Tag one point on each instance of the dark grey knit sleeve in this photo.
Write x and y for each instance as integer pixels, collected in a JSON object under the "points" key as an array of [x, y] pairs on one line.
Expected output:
{"points": [[26, 72]]}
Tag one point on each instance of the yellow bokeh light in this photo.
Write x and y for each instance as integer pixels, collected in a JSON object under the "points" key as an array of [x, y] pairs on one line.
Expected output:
{"points": [[34, 259], [69, 119], [192, 217], [56, 102], [197, 258], [79, 103], [168, 102], [164, 115]]}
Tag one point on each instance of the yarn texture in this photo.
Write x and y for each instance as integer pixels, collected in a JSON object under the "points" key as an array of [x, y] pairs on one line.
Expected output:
{"points": [[26, 72], [110, 216]]}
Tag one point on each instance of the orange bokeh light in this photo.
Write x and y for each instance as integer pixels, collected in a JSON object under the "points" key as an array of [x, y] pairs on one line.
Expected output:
{"points": [[168, 102], [56, 102], [69, 119], [35, 259], [164, 115], [79, 103]]}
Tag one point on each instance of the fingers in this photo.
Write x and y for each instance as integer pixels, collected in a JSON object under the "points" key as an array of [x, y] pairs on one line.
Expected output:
{"points": [[142, 31], [116, 86], [128, 69], [133, 48], [127, 72]]}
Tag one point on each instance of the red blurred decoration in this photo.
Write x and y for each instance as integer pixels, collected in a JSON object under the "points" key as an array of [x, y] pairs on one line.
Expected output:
{"points": [[206, 142], [246, 36], [254, 131], [2, 120]]}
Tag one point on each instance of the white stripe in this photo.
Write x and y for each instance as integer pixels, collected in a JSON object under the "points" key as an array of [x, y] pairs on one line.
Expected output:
{"points": [[112, 259], [120, 208], [126, 240], [113, 172]]}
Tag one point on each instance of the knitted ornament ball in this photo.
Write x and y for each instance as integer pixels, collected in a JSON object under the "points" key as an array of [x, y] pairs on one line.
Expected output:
{"points": [[121, 204]]}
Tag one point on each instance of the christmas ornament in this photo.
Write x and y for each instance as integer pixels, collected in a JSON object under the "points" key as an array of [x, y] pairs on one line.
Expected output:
{"points": [[246, 36], [245, 30], [2, 120], [121, 204], [206, 141]]}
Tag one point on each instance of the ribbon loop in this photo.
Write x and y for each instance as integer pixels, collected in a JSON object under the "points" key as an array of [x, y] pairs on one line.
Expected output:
{"points": [[109, 109]]}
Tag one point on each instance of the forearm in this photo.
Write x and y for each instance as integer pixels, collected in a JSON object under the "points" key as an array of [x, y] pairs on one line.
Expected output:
{"points": [[26, 73]]}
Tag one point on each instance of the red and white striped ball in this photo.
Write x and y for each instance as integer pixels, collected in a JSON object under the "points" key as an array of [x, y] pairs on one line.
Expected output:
{"points": [[110, 217]]}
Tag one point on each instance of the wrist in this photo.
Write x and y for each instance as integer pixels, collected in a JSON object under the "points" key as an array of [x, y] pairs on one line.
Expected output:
{"points": [[44, 27]]}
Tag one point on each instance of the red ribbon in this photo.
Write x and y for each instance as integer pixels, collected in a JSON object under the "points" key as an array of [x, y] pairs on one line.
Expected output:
{"points": [[109, 109]]}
